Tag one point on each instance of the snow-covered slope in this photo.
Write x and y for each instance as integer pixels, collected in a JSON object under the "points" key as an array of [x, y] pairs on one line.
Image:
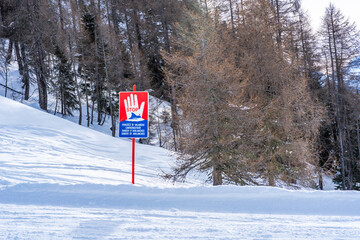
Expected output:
{"points": [[59, 180], [37, 147]]}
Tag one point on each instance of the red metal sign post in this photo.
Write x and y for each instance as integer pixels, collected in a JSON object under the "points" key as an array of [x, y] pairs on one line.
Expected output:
{"points": [[133, 151], [133, 118]]}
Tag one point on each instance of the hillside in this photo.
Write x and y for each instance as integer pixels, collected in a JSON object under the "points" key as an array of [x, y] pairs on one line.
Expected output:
{"points": [[60, 180], [65, 153]]}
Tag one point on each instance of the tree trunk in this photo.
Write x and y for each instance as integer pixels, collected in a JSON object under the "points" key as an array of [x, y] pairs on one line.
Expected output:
{"points": [[108, 15], [113, 124], [1, 22], [217, 173], [358, 137], [350, 161], [98, 93], [307, 71], [243, 12], [338, 106], [166, 36], [231, 15], [75, 23], [159, 132], [62, 93], [340, 131], [9, 52], [271, 173], [133, 53], [175, 118], [216, 158], [114, 17], [137, 26], [92, 110], [279, 37], [78, 95], [56, 102], [87, 104], [6, 78], [73, 8], [40, 69], [61, 15], [321, 183], [26, 76], [19, 58]]}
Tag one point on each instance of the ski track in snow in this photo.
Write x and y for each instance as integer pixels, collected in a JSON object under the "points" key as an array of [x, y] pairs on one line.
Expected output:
{"points": [[59, 180], [33, 222]]}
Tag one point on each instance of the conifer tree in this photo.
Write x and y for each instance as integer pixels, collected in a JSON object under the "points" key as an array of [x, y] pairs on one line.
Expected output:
{"points": [[209, 121], [65, 83], [260, 121], [340, 40]]}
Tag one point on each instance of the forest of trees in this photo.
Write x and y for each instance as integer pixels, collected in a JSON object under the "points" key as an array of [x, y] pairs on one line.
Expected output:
{"points": [[257, 96]]}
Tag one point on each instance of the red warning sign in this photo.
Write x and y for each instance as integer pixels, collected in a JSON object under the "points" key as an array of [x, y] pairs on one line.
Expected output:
{"points": [[134, 114]]}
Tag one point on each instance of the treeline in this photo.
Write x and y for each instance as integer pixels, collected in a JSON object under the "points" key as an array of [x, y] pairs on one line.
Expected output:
{"points": [[262, 99], [89, 49], [255, 96]]}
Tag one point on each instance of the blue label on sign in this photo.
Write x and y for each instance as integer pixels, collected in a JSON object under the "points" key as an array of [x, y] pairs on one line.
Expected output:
{"points": [[133, 129]]}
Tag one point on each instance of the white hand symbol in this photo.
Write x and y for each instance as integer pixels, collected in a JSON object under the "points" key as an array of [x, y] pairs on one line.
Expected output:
{"points": [[132, 106]]}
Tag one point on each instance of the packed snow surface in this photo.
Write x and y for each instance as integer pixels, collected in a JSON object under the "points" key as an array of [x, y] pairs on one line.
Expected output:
{"points": [[59, 180]]}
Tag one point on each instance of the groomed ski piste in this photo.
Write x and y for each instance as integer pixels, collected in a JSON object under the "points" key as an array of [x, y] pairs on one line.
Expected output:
{"points": [[59, 180]]}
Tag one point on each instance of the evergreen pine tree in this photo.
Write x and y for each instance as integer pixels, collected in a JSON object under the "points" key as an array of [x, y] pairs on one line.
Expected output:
{"points": [[65, 83]]}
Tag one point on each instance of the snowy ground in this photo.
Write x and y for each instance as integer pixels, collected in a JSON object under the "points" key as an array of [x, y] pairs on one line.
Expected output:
{"points": [[59, 180], [34, 222]]}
